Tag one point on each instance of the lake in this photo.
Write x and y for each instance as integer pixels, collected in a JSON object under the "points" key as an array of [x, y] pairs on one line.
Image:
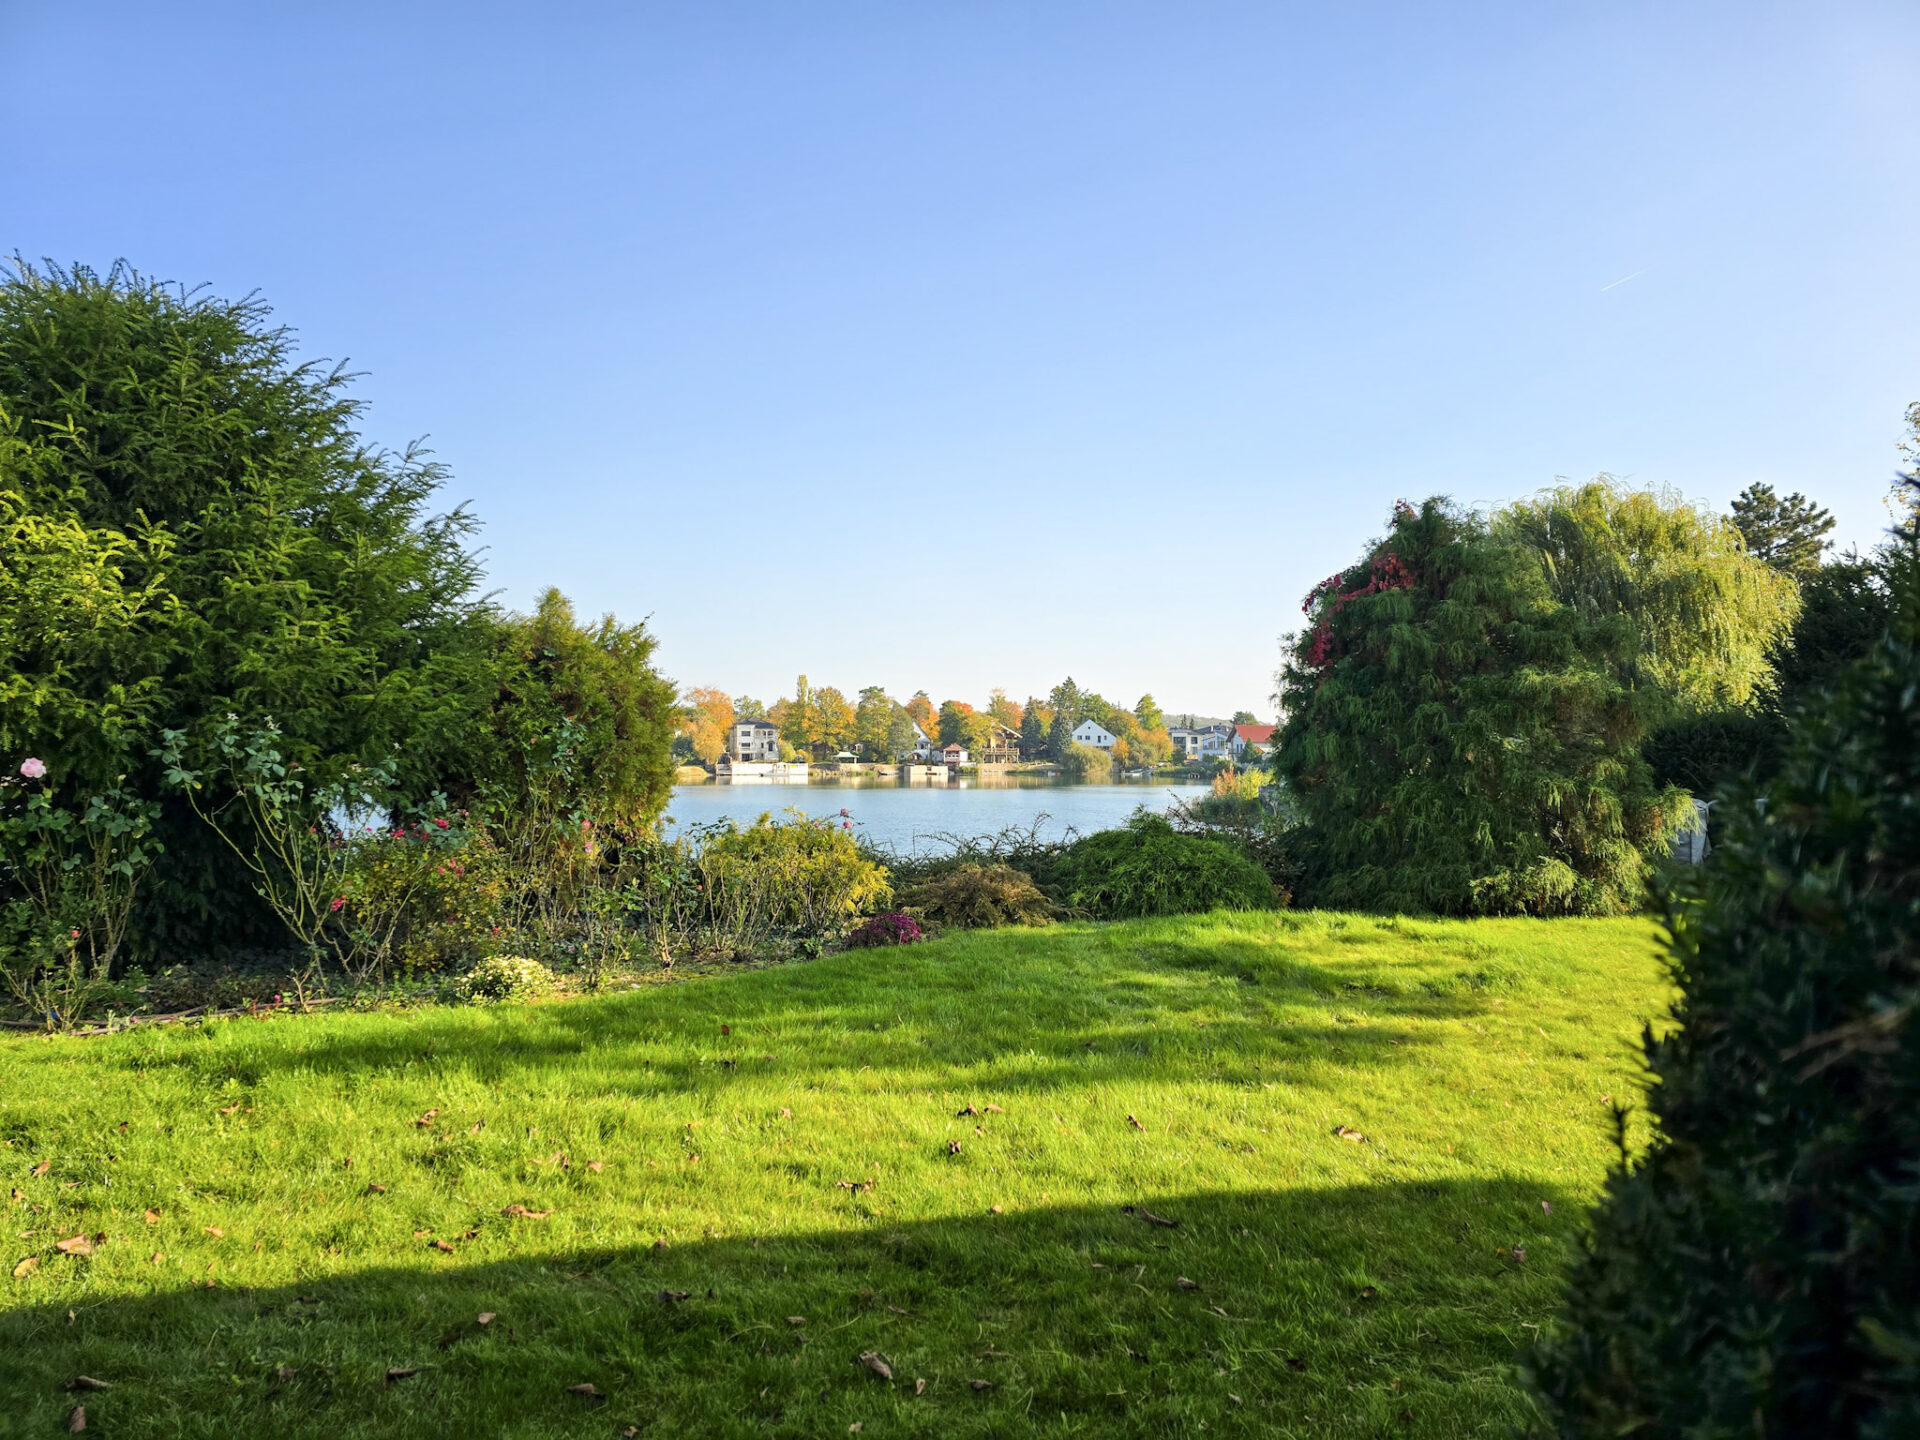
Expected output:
{"points": [[911, 817]]}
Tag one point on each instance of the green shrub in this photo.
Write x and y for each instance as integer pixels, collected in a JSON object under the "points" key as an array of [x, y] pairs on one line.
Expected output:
{"points": [[1086, 762], [979, 897], [801, 875], [1756, 1273], [1149, 868], [504, 977]]}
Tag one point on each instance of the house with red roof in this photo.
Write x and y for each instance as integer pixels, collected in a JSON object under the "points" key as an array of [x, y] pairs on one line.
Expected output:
{"points": [[1254, 738]]}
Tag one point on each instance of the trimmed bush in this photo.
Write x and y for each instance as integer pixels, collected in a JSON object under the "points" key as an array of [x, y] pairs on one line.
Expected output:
{"points": [[1149, 868], [1756, 1273], [979, 897]]}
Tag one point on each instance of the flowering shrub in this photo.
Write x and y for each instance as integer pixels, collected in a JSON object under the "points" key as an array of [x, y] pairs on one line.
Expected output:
{"points": [[504, 977], [1387, 572], [892, 928]]}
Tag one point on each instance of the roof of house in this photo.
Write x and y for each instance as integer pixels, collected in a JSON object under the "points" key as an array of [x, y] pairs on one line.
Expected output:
{"points": [[1255, 734], [760, 724], [1095, 724], [955, 745]]}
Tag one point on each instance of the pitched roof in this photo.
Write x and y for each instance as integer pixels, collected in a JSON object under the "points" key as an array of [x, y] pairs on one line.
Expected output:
{"points": [[1255, 734]]}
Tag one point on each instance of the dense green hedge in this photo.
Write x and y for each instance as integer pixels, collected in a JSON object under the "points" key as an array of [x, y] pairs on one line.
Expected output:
{"points": [[1149, 868]]}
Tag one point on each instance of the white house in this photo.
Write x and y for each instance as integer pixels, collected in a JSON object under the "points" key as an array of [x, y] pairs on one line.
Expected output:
{"points": [[922, 744], [1090, 732], [1202, 743], [955, 754], [754, 741]]}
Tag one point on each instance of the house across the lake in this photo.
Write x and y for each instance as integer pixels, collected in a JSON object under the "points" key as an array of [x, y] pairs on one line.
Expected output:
{"points": [[1204, 742], [754, 741], [1092, 732], [954, 754], [1251, 739], [1002, 747]]}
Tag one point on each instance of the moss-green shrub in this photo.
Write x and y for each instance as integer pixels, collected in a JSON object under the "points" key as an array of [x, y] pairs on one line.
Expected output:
{"points": [[804, 875], [1149, 868], [504, 977], [1756, 1273], [979, 897]]}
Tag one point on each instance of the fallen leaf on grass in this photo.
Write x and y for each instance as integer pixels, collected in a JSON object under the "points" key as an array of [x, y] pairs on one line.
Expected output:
{"points": [[18, 1195], [980, 1385], [87, 1382], [1519, 1253], [920, 1387], [230, 1110], [524, 1213], [898, 1311], [672, 1297], [557, 1158], [157, 1258], [1185, 1284], [1153, 1219], [376, 1189], [1367, 1292], [796, 1319], [443, 1247], [74, 1245], [26, 1267], [596, 1166], [40, 1169], [397, 1373], [874, 1362], [485, 1317], [476, 1127], [993, 1210], [1235, 1398], [76, 1419], [995, 1110], [427, 1119], [586, 1390], [1546, 1207], [953, 1147], [856, 1186], [421, 1234], [152, 1217], [1135, 1123], [1349, 1134], [1218, 1311], [215, 1231]]}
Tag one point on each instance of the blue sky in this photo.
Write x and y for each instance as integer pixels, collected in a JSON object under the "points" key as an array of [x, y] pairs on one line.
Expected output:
{"points": [[949, 346]]}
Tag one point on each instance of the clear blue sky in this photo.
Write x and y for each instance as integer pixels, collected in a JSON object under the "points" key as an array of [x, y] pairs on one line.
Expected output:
{"points": [[946, 346]]}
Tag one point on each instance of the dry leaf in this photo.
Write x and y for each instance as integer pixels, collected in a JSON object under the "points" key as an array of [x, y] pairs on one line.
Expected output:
{"points": [[856, 1427], [485, 1317], [796, 1319], [230, 1109], [856, 1186], [397, 1373], [1135, 1123], [873, 1361], [26, 1267], [585, 1388], [1519, 1254], [993, 1210], [152, 1217], [76, 1419], [421, 1234], [1153, 1219], [980, 1385], [18, 1195], [1098, 1266], [157, 1258], [443, 1247], [995, 1110], [596, 1166], [1546, 1207], [1223, 1315], [726, 1029], [895, 1309], [74, 1245], [374, 1188], [87, 1382], [1185, 1284], [953, 1147], [215, 1231], [524, 1213], [476, 1127], [427, 1119], [1349, 1134], [785, 1113], [969, 1110], [1235, 1398], [920, 1387], [41, 1169], [673, 1297], [1367, 1292]]}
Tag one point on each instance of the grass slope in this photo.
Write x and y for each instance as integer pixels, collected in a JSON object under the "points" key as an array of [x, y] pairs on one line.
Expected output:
{"points": [[778, 1145]]}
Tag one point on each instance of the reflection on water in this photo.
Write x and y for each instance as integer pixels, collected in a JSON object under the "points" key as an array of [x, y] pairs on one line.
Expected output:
{"points": [[913, 817]]}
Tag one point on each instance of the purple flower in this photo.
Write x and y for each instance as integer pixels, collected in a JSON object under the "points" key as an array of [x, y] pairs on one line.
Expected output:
{"points": [[844, 813], [33, 769]]}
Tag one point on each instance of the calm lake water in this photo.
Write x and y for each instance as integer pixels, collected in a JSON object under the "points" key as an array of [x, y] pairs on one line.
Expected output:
{"points": [[912, 817]]}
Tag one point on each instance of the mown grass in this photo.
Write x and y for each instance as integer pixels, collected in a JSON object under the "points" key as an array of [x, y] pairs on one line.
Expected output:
{"points": [[777, 1145]]}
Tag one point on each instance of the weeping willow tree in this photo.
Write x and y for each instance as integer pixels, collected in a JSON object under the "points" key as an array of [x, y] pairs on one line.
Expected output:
{"points": [[1705, 615], [1459, 739]]}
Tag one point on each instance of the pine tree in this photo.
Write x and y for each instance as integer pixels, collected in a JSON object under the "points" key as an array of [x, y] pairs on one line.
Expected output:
{"points": [[1787, 533], [1059, 737], [1033, 731]]}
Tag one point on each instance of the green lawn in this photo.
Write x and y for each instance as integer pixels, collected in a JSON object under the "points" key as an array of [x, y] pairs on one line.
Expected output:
{"points": [[752, 1181]]}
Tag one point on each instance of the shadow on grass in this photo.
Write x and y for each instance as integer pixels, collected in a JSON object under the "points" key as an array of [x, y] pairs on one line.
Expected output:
{"points": [[1235, 1011], [1387, 1309]]}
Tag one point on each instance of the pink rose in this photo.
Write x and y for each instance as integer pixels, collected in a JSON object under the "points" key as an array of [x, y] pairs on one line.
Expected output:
{"points": [[441, 823], [33, 768], [339, 901]]}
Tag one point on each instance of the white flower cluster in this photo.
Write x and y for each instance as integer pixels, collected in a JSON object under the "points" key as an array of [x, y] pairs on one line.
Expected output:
{"points": [[504, 977]]}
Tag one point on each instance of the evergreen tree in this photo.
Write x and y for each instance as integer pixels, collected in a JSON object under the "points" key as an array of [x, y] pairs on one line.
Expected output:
{"points": [[1458, 740], [1064, 699], [1059, 737], [1789, 533], [1755, 1273], [1033, 731]]}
